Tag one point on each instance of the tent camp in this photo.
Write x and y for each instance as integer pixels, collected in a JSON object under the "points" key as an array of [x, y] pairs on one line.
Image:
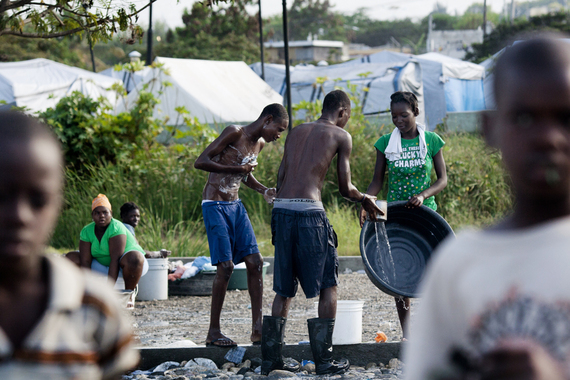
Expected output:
{"points": [[449, 84], [489, 65], [216, 92], [274, 75], [374, 82], [40, 83], [130, 80]]}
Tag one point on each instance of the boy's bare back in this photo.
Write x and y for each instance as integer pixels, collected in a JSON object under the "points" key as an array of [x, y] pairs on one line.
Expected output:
{"points": [[309, 151]]}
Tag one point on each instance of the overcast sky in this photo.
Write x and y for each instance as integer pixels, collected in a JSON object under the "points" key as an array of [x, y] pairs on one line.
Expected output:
{"points": [[170, 11]]}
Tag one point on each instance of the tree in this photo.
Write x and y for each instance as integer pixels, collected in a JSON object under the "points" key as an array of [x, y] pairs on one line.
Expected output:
{"points": [[58, 18], [503, 34], [376, 33], [227, 33], [315, 17]]}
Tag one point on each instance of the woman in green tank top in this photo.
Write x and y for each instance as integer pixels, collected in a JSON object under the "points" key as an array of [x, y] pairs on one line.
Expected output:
{"points": [[408, 154], [106, 246]]}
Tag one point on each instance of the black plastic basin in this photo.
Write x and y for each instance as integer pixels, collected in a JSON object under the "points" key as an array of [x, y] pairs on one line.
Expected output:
{"points": [[413, 234]]}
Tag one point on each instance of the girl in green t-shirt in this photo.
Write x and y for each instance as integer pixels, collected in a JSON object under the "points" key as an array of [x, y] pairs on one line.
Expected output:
{"points": [[408, 154]]}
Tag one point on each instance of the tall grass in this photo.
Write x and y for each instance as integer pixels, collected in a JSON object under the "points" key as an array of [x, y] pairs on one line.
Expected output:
{"points": [[169, 191]]}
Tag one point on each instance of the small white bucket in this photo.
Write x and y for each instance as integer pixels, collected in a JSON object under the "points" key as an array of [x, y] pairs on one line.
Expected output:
{"points": [[120, 283], [348, 323], [154, 284]]}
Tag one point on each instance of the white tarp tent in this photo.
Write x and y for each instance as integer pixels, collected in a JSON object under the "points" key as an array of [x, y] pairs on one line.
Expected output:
{"points": [[489, 65], [379, 79], [40, 83], [274, 75], [213, 91], [130, 80]]}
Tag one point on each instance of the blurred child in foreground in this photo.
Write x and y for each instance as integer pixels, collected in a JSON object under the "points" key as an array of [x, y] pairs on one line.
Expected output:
{"points": [[496, 303], [56, 321]]}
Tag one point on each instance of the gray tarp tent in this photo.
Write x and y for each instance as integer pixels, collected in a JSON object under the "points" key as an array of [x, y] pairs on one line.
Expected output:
{"points": [[450, 85]]}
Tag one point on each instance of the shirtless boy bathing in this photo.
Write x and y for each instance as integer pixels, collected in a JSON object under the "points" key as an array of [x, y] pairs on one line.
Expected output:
{"points": [[305, 242], [231, 159]]}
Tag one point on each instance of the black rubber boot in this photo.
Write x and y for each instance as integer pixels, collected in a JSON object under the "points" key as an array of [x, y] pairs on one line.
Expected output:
{"points": [[272, 340], [320, 334]]}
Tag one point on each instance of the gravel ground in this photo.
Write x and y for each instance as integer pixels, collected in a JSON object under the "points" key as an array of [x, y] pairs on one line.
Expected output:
{"points": [[160, 323]]}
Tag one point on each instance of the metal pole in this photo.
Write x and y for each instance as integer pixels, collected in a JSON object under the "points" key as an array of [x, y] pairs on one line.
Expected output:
{"points": [[91, 50], [261, 42], [512, 11], [287, 71], [484, 18], [149, 38]]}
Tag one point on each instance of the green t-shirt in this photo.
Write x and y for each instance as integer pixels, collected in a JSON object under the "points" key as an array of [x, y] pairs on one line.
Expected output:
{"points": [[100, 250], [410, 175]]}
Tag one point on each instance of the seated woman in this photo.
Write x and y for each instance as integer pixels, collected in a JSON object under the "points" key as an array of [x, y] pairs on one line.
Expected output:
{"points": [[130, 216], [105, 246]]}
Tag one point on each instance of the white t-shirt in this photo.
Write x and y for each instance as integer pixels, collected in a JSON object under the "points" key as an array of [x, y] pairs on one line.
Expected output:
{"points": [[484, 286]]}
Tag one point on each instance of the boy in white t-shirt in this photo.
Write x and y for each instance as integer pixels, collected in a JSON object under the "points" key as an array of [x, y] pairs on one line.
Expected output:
{"points": [[496, 303]]}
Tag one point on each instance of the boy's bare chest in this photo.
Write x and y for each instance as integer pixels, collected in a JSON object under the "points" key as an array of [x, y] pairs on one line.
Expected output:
{"points": [[239, 153]]}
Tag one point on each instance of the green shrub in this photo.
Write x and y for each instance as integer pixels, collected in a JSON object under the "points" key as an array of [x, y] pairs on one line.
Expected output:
{"points": [[90, 133]]}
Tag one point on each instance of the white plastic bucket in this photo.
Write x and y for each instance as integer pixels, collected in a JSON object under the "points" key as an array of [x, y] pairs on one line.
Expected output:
{"points": [[154, 284], [348, 324], [120, 283]]}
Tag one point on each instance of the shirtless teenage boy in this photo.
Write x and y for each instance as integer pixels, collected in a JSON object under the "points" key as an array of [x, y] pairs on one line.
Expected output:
{"points": [[231, 159], [305, 243]]}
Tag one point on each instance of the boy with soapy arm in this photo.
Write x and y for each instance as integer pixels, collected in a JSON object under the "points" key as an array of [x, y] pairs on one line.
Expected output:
{"points": [[230, 160]]}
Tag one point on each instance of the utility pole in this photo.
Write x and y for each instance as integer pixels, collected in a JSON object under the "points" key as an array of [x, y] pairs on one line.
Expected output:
{"points": [[149, 38], [287, 69], [91, 50], [484, 19], [430, 26], [261, 41], [512, 12]]}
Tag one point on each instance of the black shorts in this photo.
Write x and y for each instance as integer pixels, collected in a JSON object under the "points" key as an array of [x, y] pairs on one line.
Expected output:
{"points": [[305, 251]]}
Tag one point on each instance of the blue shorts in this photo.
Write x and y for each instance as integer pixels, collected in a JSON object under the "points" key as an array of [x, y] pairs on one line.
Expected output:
{"points": [[305, 252], [230, 234]]}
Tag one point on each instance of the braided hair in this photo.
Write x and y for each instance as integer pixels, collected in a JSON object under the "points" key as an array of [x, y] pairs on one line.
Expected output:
{"points": [[406, 97]]}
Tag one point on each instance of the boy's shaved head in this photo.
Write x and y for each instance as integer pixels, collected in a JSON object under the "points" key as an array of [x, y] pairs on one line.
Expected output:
{"points": [[31, 181], [18, 126], [531, 125], [546, 56]]}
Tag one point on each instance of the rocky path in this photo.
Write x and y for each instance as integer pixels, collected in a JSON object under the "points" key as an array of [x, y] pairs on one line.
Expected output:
{"points": [[179, 320], [183, 322]]}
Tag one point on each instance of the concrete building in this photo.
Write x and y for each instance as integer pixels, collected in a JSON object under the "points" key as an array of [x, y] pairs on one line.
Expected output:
{"points": [[307, 51], [361, 50], [454, 43]]}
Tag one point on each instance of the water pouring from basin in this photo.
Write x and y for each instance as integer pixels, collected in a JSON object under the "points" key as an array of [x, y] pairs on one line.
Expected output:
{"points": [[395, 251]]}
